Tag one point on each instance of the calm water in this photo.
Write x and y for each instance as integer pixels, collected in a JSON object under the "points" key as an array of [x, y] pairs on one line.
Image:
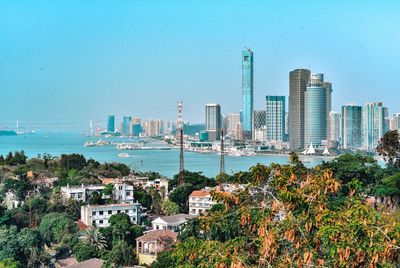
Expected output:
{"points": [[165, 162]]}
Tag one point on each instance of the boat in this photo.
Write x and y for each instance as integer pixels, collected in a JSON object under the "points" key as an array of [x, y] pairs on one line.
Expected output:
{"points": [[123, 155], [89, 144]]}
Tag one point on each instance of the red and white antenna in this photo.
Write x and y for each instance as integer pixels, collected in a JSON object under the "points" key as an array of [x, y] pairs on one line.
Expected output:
{"points": [[179, 123]]}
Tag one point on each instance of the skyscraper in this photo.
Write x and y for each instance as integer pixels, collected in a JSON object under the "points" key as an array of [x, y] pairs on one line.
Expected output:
{"points": [[259, 124], [373, 124], [213, 121], [247, 93], [298, 80], [234, 130], [126, 121], [351, 126], [334, 126], [315, 116], [111, 123], [395, 122], [275, 118]]}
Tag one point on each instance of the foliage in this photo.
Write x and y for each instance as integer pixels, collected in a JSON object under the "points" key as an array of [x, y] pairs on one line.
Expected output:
{"points": [[9, 263], [57, 227], [196, 179], [389, 148], [142, 197], [94, 237], [18, 158], [180, 196], [120, 229], [19, 187], [84, 251], [389, 186], [72, 161], [108, 190], [121, 254], [169, 207]]}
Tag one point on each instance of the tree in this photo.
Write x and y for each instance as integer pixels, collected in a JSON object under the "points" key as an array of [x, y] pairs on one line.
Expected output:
{"points": [[180, 196], [72, 161], [121, 255], [84, 251], [169, 207], [389, 148], [94, 237], [9, 263], [95, 198], [57, 227], [108, 190]]}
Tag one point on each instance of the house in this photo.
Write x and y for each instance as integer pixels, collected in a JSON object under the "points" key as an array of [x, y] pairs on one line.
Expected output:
{"points": [[173, 223], [200, 202], [99, 215], [152, 243]]}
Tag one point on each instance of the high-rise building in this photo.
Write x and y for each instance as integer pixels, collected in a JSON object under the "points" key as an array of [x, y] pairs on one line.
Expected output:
{"points": [[213, 121], [275, 118], [111, 123], [334, 127], [351, 126], [373, 125], [247, 93], [328, 88], [135, 126], [126, 122], [259, 123], [395, 122], [153, 127], [234, 130], [315, 115], [298, 80]]}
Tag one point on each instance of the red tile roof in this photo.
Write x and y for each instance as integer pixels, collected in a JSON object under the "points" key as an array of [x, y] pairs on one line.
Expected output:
{"points": [[163, 235], [200, 193], [81, 225]]}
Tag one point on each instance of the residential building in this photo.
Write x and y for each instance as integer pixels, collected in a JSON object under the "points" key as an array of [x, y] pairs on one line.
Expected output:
{"points": [[173, 223], [315, 115], [351, 126], [259, 123], [247, 93], [373, 125], [298, 80], [153, 127], [213, 121], [200, 202], [149, 245], [334, 126], [135, 126], [395, 122], [126, 123], [275, 118], [111, 124], [234, 129], [99, 215]]}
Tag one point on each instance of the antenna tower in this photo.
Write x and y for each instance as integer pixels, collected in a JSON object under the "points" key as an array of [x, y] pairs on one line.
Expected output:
{"points": [[179, 125]]}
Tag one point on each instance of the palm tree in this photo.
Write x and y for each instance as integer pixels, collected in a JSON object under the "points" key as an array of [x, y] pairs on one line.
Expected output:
{"points": [[94, 237]]}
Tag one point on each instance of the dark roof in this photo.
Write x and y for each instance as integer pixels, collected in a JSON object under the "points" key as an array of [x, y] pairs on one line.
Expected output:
{"points": [[91, 263]]}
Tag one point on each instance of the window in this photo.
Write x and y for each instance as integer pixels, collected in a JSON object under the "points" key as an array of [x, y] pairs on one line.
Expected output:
{"points": [[126, 211], [100, 212], [93, 222], [246, 58], [118, 211], [100, 221], [128, 193], [109, 212], [93, 213]]}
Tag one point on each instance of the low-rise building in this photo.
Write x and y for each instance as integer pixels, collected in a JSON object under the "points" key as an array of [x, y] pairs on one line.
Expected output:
{"points": [[174, 222], [152, 243], [200, 202], [99, 215]]}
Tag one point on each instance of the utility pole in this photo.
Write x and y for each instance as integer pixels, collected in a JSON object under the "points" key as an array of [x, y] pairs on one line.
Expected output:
{"points": [[180, 129]]}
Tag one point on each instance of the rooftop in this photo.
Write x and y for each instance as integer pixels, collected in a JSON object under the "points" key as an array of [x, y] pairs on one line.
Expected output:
{"points": [[200, 193], [163, 235], [91, 263], [176, 218]]}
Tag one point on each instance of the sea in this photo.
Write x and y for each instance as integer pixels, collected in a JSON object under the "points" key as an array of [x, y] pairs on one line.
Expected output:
{"points": [[166, 162]]}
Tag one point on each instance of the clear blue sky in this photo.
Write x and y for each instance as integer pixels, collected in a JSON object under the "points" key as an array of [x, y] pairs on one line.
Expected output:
{"points": [[63, 63]]}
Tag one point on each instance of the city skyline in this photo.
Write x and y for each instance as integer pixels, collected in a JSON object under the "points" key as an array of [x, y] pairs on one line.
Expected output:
{"points": [[78, 67]]}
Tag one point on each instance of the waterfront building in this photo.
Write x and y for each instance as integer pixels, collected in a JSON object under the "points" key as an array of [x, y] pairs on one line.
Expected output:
{"points": [[373, 125], [351, 126], [135, 126], [126, 122], [234, 129], [259, 122], [213, 121], [287, 125], [200, 202], [149, 245], [315, 115], [173, 223], [395, 122], [298, 80], [334, 123], [275, 118], [328, 88], [153, 127], [260, 134], [247, 93], [170, 127], [99, 215], [111, 124]]}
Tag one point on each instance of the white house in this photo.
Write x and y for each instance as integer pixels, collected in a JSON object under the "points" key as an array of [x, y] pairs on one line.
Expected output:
{"points": [[200, 202], [99, 215], [173, 223]]}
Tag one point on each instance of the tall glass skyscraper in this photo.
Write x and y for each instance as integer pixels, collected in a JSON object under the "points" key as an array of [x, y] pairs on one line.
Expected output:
{"points": [[126, 122], [213, 121], [315, 115], [275, 118], [247, 93], [298, 80], [111, 123], [373, 124], [351, 126]]}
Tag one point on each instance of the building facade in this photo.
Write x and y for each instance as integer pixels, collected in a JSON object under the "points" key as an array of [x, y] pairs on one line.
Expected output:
{"points": [[126, 122], [315, 116], [259, 123], [247, 93], [173, 223], [275, 118], [373, 125], [111, 123], [334, 129], [234, 129], [395, 122], [298, 80], [153, 127], [200, 202], [351, 126], [213, 121]]}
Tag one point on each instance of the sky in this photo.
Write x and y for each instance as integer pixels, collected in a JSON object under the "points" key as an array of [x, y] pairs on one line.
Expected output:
{"points": [[64, 63]]}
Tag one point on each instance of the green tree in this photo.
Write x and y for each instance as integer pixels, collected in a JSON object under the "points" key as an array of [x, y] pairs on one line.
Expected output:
{"points": [[389, 148], [121, 255], [94, 237], [57, 227], [9, 263], [84, 251], [169, 207], [108, 190], [72, 161], [180, 196], [96, 198]]}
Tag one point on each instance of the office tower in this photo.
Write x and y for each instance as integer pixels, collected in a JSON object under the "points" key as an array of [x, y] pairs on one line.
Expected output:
{"points": [[351, 126], [287, 125], [234, 129], [169, 127], [315, 115], [395, 122], [275, 118], [259, 125], [135, 126], [334, 126], [111, 123], [373, 125], [247, 93], [126, 122], [298, 80], [224, 123], [153, 127], [213, 121]]}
